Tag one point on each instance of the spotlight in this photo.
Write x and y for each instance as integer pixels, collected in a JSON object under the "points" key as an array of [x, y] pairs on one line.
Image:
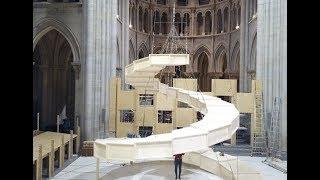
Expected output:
{"points": [[130, 25]]}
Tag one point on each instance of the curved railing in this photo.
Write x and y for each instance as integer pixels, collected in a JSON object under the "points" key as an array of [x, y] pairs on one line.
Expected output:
{"points": [[220, 122]]}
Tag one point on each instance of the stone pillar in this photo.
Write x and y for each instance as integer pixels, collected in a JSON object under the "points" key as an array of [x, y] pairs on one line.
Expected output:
{"points": [[272, 58], [99, 29], [193, 22], [244, 47], [124, 49]]}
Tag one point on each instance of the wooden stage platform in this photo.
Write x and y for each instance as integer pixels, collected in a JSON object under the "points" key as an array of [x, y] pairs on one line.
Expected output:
{"points": [[47, 143]]}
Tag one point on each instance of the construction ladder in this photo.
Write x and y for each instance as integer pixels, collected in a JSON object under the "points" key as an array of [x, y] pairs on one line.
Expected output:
{"points": [[259, 142], [274, 131]]}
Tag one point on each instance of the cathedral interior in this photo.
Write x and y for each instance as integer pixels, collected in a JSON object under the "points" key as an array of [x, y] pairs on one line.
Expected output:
{"points": [[83, 48]]}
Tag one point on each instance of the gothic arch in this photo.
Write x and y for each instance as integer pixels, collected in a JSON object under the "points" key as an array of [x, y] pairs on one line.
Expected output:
{"points": [[47, 24], [196, 55], [221, 58], [156, 20], [234, 57], [164, 20], [143, 51], [199, 23], [204, 80], [226, 19], [132, 54], [140, 20], [146, 21], [53, 78], [208, 22], [186, 24], [219, 22]]}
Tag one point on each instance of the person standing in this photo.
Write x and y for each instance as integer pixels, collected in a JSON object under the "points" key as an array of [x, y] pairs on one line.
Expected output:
{"points": [[178, 163]]}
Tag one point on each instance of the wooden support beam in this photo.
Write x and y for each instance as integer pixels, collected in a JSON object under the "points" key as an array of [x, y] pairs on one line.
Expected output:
{"points": [[71, 145], [58, 118], [51, 159], [39, 164], [97, 169], [61, 155], [78, 140]]}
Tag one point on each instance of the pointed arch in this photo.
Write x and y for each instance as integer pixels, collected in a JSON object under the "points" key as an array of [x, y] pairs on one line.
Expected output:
{"points": [[196, 55], [143, 51], [164, 20], [234, 57], [226, 19], [132, 54], [208, 22], [221, 58]]}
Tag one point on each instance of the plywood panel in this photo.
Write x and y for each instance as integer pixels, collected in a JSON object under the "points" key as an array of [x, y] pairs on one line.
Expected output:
{"points": [[224, 87], [187, 84], [244, 102], [148, 115], [126, 100], [124, 128], [161, 128], [165, 102], [185, 117]]}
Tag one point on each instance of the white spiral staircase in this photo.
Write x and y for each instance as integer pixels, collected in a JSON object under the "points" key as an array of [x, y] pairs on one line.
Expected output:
{"points": [[221, 119]]}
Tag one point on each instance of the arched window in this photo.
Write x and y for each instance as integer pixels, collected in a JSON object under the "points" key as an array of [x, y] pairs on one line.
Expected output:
{"points": [[199, 23], [208, 23], [204, 80], [146, 21], [156, 26], [226, 19], [219, 23], [141, 54], [164, 25], [182, 2], [234, 18], [140, 18], [186, 24], [133, 17], [177, 23]]}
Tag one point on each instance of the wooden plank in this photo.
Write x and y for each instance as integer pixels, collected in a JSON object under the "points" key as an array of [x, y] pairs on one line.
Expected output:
{"points": [[44, 140], [71, 144], [51, 159], [61, 155], [39, 164]]}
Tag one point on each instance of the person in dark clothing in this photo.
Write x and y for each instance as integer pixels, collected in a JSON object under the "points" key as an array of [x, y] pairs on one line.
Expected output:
{"points": [[177, 162]]}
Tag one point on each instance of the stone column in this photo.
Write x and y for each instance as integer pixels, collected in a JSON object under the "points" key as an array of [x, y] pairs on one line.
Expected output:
{"points": [[272, 58], [124, 50], [99, 29], [244, 47]]}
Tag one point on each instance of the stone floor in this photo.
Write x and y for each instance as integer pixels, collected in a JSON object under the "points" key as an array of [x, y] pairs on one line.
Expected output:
{"points": [[85, 167]]}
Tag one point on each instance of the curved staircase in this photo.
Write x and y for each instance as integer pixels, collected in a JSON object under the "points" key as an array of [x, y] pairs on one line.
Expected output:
{"points": [[220, 122]]}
